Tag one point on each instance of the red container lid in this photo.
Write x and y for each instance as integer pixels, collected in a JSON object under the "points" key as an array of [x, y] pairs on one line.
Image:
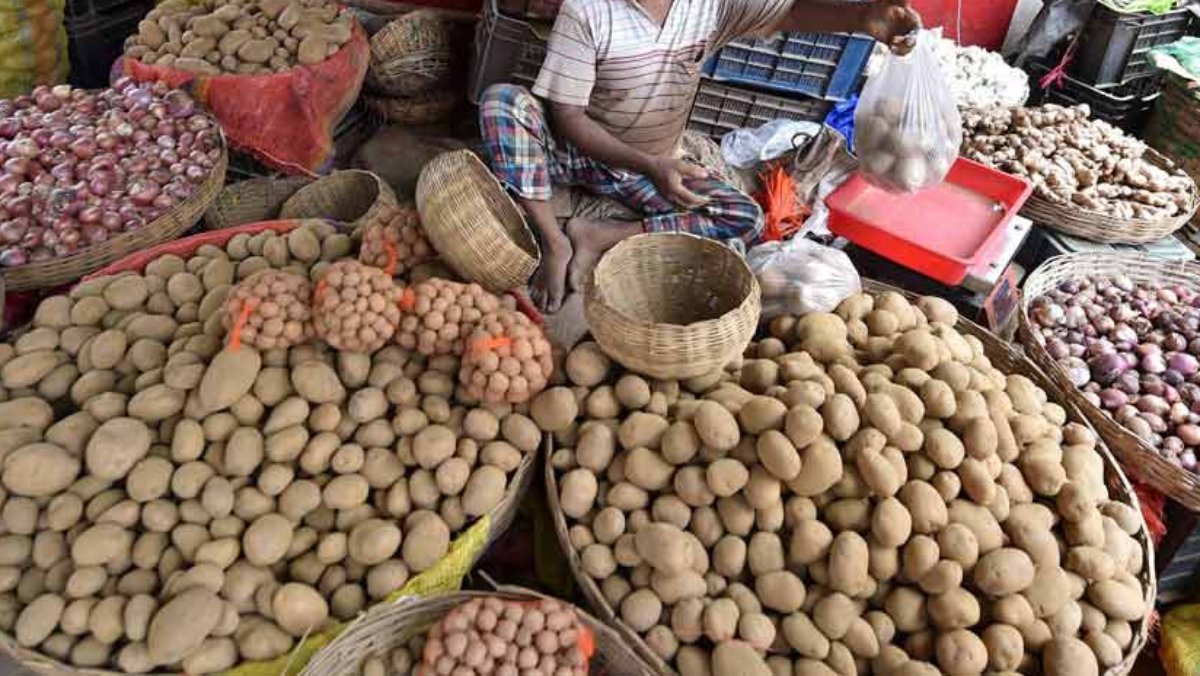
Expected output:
{"points": [[941, 231]]}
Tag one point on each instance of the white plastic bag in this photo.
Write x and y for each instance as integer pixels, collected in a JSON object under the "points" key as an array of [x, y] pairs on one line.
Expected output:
{"points": [[745, 148], [799, 276], [907, 128]]}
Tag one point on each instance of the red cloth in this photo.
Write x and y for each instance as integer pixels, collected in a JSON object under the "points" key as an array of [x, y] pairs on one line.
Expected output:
{"points": [[285, 120]]}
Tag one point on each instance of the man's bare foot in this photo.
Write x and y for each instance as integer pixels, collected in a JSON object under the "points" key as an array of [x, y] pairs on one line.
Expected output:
{"points": [[548, 286], [590, 239]]}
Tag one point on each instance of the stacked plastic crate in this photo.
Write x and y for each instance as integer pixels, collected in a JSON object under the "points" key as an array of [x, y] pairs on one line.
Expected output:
{"points": [[96, 32], [1111, 70]]}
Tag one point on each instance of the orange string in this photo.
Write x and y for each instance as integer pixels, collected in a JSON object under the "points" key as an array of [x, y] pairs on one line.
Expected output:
{"points": [[393, 257], [407, 299], [322, 286], [587, 642], [782, 216], [480, 345], [235, 335]]}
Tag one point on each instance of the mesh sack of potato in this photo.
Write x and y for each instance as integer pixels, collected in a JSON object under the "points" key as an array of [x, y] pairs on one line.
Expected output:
{"points": [[863, 492], [439, 314], [491, 635], [507, 359], [355, 307], [394, 241], [270, 309]]}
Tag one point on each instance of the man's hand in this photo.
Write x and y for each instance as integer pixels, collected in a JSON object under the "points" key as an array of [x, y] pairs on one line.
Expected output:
{"points": [[889, 21], [668, 173]]}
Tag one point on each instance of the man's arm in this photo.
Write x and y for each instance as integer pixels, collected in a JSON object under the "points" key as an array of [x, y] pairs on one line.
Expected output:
{"points": [[885, 20], [667, 172]]}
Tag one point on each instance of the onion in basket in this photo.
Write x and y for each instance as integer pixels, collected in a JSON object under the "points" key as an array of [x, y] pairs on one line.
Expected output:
{"points": [[80, 167]]}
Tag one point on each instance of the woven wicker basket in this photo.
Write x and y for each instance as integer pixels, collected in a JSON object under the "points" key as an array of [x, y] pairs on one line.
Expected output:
{"points": [[413, 53], [672, 305], [472, 222], [353, 197], [391, 625], [1174, 129], [1139, 458], [1004, 357], [252, 201], [1101, 227], [425, 108], [52, 273]]}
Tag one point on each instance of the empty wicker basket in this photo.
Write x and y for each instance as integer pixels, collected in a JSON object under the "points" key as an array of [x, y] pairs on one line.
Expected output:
{"points": [[472, 222], [672, 305], [413, 53], [252, 201], [352, 197]]}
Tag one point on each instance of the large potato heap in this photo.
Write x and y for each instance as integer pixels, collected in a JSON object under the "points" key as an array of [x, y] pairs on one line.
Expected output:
{"points": [[355, 307], [1073, 159], [172, 504], [440, 314], [271, 309], [240, 36], [395, 241], [864, 493]]}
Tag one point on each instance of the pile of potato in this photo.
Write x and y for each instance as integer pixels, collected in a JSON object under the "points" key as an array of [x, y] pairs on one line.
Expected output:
{"points": [[395, 241], [1072, 159], [172, 503], [242, 36], [862, 493], [507, 359], [438, 315], [271, 309]]}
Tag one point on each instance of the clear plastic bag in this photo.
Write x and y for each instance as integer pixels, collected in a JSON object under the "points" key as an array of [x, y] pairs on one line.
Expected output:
{"points": [[907, 128], [799, 276]]}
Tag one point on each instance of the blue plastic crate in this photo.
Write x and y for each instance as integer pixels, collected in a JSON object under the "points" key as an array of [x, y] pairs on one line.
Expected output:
{"points": [[824, 65]]}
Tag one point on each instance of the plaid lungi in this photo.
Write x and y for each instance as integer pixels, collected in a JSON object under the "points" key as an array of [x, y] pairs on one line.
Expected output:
{"points": [[526, 157]]}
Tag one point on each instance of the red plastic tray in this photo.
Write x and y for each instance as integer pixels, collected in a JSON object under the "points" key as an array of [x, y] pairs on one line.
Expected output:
{"points": [[941, 231]]}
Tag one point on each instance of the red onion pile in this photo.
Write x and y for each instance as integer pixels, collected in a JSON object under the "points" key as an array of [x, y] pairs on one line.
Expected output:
{"points": [[82, 166], [1132, 348]]}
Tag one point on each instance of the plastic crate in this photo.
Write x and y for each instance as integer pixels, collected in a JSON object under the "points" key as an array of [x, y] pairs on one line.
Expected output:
{"points": [[1127, 106], [1114, 47], [94, 42], [506, 50], [721, 108], [824, 65]]}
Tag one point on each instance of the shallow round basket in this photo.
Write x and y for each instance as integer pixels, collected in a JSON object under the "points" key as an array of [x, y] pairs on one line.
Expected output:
{"points": [[59, 271], [252, 201], [472, 222], [1003, 356], [413, 53], [392, 625], [353, 197], [672, 305], [1100, 227], [424, 108], [1139, 458]]}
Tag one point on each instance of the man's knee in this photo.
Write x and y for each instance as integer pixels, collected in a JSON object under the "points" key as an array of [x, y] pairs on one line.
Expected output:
{"points": [[738, 212], [502, 97]]}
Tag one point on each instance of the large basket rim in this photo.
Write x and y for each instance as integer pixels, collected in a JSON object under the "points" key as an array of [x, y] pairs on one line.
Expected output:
{"points": [[1140, 458], [58, 271]]}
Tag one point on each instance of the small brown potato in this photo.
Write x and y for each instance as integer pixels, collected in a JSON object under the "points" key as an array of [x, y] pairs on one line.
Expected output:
{"points": [[906, 607], [716, 427], [554, 409], [961, 652], [780, 590], [762, 413], [804, 637], [426, 543], [840, 417], [641, 609], [891, 523], [778, 455], [299, 609], [726, 477], [1117, 600], [1064, 655], [720, 620], [955, 609], [578, 491], [1003, 572], [738, 658], [664, 547]]}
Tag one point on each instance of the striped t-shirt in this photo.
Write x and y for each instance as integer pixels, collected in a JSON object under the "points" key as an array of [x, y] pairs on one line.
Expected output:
{"points": [[636, 78]]}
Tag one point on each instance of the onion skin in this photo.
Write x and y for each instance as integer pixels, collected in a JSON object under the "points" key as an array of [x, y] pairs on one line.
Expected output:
{"points": [[80, 167]]}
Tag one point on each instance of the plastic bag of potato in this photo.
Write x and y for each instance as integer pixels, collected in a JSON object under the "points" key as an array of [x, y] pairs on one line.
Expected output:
{"points": [[907, 128]]}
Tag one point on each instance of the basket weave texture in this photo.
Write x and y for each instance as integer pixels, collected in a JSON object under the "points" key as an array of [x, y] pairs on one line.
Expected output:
{"points": [[392, 625], [472, 222], [425, 108], [252, 201], [1100, 227], [354, 197], [59, 271], [672, 305], [413, 53], [1003, 356], [1139, 458], [1174, 129]]}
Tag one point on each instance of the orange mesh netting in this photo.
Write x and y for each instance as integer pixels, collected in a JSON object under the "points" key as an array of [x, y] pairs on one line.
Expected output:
{"points": [[286, 119]]}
